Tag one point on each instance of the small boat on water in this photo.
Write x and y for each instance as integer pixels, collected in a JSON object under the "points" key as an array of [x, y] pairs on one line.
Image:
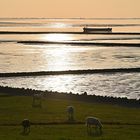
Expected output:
{"points": [[97, 30]]}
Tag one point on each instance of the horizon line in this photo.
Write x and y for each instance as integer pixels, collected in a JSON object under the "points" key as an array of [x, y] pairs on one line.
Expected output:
{"points": [[69, 17]]}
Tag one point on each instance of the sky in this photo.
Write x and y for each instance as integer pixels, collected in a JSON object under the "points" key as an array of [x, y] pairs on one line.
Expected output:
{"points": [[70, 8]]}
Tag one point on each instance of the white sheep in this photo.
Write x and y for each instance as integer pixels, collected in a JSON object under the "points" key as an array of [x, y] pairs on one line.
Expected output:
{"points": [[92, 121], [37, 98], [70, 110]]}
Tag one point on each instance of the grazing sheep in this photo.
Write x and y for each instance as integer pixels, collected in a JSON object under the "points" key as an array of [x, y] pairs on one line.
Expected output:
{"points": [[70, 110], [26, 126], [37, 100], [92, 121]]}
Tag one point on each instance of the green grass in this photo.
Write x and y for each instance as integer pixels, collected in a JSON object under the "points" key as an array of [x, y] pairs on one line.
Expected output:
{"points": [[69, 132], [13, 109]]}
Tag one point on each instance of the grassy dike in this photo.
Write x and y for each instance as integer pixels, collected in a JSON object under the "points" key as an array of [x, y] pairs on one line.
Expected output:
{"points": [[50, 121]]}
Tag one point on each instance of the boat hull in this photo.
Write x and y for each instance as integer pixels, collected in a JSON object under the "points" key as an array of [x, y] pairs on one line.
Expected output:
{"points": [[97, 30]]}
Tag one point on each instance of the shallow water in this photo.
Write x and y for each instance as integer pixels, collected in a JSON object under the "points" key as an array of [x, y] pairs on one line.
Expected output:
{"points": [[116, 85], [16, 57], [20, 58]]}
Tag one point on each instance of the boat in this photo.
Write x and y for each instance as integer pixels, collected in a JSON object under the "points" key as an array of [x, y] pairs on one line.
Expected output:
{"points": [[97, 30]]}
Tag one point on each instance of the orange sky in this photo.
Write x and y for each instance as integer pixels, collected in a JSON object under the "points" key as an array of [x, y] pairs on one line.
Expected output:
{"points": [[70, 8]]}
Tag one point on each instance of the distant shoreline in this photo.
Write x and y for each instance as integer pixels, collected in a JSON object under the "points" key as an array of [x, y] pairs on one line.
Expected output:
{"points": [[109, 18], [47, 32], [77, 72], [82, 43]]}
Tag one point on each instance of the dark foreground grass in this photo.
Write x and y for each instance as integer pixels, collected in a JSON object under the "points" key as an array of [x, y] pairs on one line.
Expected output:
{"points": [[69, 132], [13, 109]]}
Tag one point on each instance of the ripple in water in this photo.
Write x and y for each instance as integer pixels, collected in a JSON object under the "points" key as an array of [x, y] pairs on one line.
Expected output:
{"points": [[116, 85]]}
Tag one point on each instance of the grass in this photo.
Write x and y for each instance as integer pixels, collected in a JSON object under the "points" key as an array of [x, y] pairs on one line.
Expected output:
{"points": [[69, 132], [13, 109]]}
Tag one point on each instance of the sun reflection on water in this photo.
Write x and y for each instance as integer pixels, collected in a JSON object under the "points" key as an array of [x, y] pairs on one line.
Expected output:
{"points": [[57, 37], [59, 58], [58, 25], [61, 83], [59, 55]]}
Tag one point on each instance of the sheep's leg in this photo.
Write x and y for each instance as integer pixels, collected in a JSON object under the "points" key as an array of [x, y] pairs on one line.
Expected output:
{"points": [[72, 118], [87, 128], [29, 129], [24, 130], [68, 116], [96, 129], [90, 129], [100, 130]]}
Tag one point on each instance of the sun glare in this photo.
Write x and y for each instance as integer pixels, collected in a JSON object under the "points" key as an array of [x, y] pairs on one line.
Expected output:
{"points": [[59, 58], [58, 25], [57, 37]]}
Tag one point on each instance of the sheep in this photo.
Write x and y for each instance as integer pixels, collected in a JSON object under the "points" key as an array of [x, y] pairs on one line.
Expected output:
{"points": [[70, 110], [26, 126], [92, 121], [37, 100]]}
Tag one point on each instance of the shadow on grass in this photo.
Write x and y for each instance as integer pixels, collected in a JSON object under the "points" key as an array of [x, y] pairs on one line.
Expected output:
{"points": [[63, 138], [95, 134], [25, 133]]}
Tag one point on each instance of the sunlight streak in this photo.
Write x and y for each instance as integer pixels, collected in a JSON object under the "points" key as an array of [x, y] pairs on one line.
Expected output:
{"points": [[60, 58], [57, 37], [58, 25]]}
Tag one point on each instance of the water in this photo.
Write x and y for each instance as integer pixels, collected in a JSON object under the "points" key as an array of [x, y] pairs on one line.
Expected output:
{"points": [[16, 57]]}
